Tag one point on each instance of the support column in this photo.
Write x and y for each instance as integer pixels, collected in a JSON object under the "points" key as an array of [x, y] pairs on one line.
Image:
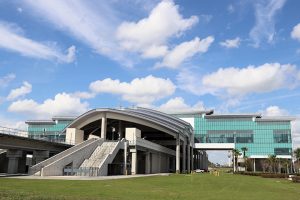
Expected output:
{"points": [[234, 168], [13, 160], [159, 162], [197, 160], [188, 158], [184, 157], [134, 162], [178, 155], [120, 132], [125, 158], [192, 156], [103, 127], [254, 167], [148, 163], [200, 160]]}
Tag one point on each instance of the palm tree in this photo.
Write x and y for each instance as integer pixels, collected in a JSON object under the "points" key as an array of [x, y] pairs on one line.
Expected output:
{"points": [[286, 164], [272, 160], [297, 156], [244, 149], [236, 153]]}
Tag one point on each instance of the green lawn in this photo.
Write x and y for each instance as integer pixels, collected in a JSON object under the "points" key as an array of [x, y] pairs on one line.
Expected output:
{"points": [[200, 186]]}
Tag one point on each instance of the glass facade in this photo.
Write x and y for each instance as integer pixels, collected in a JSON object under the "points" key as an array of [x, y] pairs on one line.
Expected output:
{"points": [[48, 130], [261, 137]]}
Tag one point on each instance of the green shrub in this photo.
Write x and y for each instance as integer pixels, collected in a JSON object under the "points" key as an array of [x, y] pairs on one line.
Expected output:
{"points": [[296, 179], [271, 175]]}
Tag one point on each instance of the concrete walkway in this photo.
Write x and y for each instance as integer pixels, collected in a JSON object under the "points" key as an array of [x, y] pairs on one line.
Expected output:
{"points": [[85, 177]]}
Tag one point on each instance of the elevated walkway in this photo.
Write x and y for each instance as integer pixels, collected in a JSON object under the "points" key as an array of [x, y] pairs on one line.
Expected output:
{"points": [[214, 146], [139, 142]]}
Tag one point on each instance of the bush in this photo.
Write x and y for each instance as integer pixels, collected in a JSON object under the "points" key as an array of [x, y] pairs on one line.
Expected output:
{"points": [[264, 175], [249, 173], [271, 175], [296, 179]]}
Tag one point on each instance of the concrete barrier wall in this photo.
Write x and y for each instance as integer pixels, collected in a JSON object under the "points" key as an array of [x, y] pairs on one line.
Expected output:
{"points": [[76, 158]]}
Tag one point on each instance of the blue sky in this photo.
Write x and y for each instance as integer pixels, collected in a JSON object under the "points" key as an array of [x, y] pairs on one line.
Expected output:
{"points": [[65, 57]]}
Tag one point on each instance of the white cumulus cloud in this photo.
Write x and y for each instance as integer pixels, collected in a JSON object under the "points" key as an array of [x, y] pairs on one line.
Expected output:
{"points": [[177, 104], [295, 34], [275, 111], [240, 81], [231, 43], [140, 90], [12, 40], [184, 51], [62, 104], [20, 92], [264, 28], [153, 32]]}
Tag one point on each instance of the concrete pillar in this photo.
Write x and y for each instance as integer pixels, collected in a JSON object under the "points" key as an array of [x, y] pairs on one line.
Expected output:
{"points": [[192, 161], [184, 157], [188, 158], [148, 163], [178, 155], [39, 156], [125, 158], [13, 160], [254, 167], [195, 160], [120, 132], [134, 162], [200, 160], [74, 136], [159, 162], [103, 127]]}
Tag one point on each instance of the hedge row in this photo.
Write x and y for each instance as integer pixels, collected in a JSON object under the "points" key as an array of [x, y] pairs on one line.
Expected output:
{"points": [[296, 179], [274, 175], [264, 175]]}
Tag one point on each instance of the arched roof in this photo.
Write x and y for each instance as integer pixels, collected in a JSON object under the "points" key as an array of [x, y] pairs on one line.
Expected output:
{"points": [[143, 116]]}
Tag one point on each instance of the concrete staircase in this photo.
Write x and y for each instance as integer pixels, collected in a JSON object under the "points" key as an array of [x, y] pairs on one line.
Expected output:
{"points": [[97, 163], [75, 155]]}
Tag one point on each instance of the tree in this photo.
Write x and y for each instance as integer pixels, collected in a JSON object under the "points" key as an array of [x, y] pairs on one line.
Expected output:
{"points": [[272, 160], [248, 163], [297, 156], [236, 153], [244, 149], [265, 164], [286, 164]]}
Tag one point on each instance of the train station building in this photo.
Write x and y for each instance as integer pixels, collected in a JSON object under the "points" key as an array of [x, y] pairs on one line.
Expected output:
{"points": [[145, 141]]}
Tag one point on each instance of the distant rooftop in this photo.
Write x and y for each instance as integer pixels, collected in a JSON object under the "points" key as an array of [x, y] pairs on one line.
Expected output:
{"points": [[51, 122]]}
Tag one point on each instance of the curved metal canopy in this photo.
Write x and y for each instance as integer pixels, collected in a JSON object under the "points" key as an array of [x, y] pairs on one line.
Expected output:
{"points": [[154, 117]]}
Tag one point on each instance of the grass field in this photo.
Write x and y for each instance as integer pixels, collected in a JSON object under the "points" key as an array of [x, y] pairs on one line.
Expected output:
{"points": [[199, 186]]}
